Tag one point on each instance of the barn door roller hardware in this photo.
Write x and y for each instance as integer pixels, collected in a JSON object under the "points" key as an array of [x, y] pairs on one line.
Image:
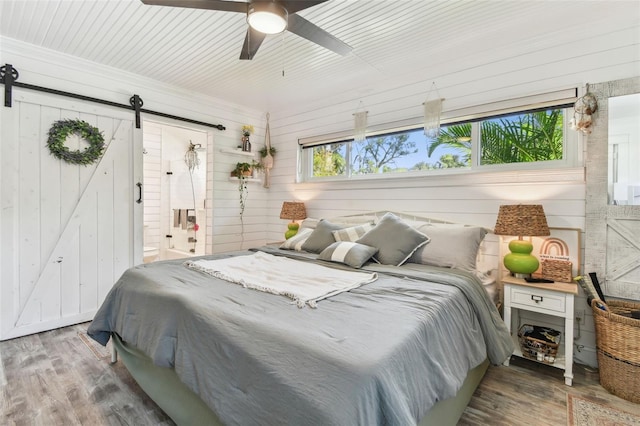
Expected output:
{"points": [[9, 76]]}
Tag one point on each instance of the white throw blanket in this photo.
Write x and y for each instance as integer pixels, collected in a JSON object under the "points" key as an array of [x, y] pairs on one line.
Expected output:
{"points": [[304, 282]]}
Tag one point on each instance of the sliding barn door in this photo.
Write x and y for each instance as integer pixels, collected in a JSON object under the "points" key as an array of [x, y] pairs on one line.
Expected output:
{"points": [[67, 231]]}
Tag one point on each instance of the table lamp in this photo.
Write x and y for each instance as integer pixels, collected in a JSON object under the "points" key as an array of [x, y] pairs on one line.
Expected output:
{"points": [[521, 220], [292, 210]]}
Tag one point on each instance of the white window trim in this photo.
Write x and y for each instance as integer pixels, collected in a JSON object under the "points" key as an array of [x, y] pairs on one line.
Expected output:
{"points": [[482, 178], [573, 143]]}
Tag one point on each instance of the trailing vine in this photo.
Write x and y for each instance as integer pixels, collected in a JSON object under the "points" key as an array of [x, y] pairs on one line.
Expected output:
{"points": [[241, 171], [244, 192], [62, 129]]}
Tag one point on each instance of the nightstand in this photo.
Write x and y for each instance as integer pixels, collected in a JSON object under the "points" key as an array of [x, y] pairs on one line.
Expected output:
{"points": [[556, 299]]}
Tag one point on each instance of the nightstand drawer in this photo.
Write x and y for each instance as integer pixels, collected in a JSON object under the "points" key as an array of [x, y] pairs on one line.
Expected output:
{"points": [[541, 299]]}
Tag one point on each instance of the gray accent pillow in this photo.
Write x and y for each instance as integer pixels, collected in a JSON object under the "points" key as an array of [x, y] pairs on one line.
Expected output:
{"points": [[348, 252], [352, 233], [296, 242], [451, 246], [396, 240], [321, 237]]}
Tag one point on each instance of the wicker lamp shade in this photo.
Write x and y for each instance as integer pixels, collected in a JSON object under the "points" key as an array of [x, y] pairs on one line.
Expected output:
{"points": [[293, 210], [522, 220]]}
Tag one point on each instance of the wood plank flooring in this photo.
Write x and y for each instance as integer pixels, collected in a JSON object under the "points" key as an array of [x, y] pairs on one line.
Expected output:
{"points": [[54, 378]]}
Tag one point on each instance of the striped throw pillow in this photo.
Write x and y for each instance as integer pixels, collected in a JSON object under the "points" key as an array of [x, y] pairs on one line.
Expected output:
{"points": [[349, 253], [296, 242], [353, 233]]}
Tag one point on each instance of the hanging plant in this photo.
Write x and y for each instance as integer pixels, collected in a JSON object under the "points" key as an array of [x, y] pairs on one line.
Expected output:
{"points": [[242, 171], [263, 151], [62, 129], [244, 192]]}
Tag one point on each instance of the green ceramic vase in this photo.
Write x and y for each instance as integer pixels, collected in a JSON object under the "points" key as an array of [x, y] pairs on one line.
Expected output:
{"points": [[520, 260]]}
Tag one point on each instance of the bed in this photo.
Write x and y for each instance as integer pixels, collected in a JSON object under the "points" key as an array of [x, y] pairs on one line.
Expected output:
{"points": [[408, 347]]}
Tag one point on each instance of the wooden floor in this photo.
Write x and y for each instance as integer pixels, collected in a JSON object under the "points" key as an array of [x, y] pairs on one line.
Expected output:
{"points": [[55, 378]]}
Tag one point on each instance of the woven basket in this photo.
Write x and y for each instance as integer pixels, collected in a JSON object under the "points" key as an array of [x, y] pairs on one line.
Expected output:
{"points": [[618, 347], [557, 270], [537, 349]]}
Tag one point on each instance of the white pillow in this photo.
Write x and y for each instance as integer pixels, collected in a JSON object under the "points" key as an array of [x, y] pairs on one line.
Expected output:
{"points": [[296, 242], [450, 246]]}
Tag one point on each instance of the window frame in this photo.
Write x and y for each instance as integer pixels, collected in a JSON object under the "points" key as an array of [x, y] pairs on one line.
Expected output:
{"points": [[571, 157]]}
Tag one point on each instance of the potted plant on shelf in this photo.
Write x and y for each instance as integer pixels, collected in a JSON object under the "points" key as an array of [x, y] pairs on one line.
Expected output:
{"points": [[256, 167], [242, 170]]}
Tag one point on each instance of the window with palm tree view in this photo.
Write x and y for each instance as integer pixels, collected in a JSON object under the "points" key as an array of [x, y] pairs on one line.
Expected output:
{"points": [[518, 138]]}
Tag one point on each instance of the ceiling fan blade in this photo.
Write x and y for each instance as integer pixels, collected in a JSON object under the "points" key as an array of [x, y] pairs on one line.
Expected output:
{"points": [[300, 26], [226, 6], [294, 6], [252, 42]]}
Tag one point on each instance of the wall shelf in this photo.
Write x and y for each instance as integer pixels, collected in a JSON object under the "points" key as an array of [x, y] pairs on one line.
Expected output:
{"points": [[235, 179], [237, 152]]}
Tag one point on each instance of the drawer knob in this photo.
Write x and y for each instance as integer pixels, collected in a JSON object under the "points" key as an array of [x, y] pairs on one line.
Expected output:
{"points": [[536, 299]]}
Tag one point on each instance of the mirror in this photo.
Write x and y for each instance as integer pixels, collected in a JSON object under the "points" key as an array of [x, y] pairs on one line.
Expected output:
{"points": [[624, 150]]}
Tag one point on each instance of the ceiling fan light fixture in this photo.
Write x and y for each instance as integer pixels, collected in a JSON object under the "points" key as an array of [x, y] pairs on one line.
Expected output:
{"points": [[267, 18]]}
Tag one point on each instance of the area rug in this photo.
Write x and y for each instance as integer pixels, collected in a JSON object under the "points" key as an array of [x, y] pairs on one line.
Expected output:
{"points": [[586, 412]]}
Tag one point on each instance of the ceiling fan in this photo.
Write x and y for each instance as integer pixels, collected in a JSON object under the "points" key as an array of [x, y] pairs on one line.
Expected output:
{"points": [[267, 17]]}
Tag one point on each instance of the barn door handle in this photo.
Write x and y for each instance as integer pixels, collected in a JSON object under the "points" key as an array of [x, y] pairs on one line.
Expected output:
{"points": [[139, 185]]}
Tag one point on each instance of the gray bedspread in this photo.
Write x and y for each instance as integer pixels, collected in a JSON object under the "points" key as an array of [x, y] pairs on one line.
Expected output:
{"points": [[380, 354]]}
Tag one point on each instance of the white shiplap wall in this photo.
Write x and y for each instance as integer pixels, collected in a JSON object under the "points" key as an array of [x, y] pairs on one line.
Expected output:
{"points": [[230, 233]]}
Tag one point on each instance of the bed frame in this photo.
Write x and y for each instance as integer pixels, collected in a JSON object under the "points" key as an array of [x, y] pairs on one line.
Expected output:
{"points": [[186, 408]]}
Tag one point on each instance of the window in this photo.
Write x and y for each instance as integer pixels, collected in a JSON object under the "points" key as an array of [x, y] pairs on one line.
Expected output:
{"points": [[523, 138], [534, 136], [329, 159]]}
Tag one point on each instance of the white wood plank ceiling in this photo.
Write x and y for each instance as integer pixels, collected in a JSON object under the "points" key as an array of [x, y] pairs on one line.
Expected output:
{"points": [[395, 42]]}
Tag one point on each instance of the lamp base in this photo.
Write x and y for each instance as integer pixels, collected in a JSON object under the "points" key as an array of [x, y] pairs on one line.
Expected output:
{"points": [[292, 229], [519, 275], [520, 261]]}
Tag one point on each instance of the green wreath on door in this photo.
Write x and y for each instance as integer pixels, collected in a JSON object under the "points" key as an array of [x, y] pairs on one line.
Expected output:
{"points": [[62, 129]]}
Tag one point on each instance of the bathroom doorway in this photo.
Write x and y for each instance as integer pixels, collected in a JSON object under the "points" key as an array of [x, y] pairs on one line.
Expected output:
{"points": [[175, 191]]}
